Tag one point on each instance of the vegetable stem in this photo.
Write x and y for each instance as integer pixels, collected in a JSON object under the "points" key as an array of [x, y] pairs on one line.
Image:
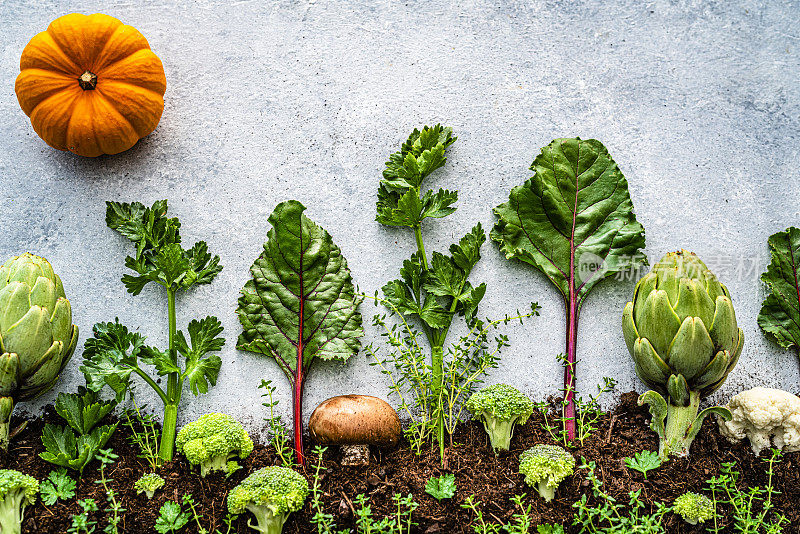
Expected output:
{"points": [[167, 447], [420, 245], [569, 367], [676, 431]]}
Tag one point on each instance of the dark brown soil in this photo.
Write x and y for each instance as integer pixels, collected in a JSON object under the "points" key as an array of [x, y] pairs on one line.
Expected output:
{"points": [[492, 479]]}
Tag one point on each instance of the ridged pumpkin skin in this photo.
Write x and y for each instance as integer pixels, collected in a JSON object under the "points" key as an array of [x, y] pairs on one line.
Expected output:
{"points": [[91, 85]]}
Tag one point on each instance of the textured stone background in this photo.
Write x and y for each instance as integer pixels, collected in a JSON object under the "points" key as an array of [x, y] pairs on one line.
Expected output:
{"points": [[697, 101]]}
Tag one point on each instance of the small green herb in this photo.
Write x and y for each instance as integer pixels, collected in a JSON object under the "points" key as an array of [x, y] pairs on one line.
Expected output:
{"points": [[278, 433], [144, 434], [643, 462], [443, 487], [57, 486], [171, 518], [550, 529], [115, 509], [80, 522]]}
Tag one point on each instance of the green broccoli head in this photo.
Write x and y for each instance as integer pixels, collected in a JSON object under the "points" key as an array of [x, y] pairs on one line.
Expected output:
{"points": [[148, 484], [500, 407], [546, 466], [16, 492], [271, 494], [212, 440], [694, 508]]}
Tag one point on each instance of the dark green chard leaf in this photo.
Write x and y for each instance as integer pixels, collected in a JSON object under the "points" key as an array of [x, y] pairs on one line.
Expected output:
{"points": [[574, 221], [780, 312], [301, 303]]}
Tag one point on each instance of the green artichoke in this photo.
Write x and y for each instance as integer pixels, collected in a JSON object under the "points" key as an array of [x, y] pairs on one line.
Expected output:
{"points": [[37, 337], [681, 331]]}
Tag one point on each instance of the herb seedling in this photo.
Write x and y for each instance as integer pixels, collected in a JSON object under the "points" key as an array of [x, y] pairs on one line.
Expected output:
{"points": [[114, 353], [278, 433], [644, 461], [442, 487], [80, 522], [300, 304], [57, 486], [115, 509], [605, 515], [144, 434], [574, 221], [171, 518], [549, 529]]}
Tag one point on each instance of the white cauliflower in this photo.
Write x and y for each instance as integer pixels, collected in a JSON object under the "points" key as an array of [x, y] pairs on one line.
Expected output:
{"points": [[763, 413]]}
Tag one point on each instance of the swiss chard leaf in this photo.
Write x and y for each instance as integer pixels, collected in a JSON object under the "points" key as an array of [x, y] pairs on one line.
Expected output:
{"points": [[574, 221], [300, 303], [780, 313], [300, 270]]}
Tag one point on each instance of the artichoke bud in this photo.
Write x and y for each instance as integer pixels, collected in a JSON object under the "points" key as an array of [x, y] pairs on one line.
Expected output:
{"points": [[37, 337], [681, 329]]}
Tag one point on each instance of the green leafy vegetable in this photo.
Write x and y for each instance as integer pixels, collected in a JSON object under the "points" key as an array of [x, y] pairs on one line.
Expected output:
{"points": [[780, 312], [573, 221], [114, 353], [443, 487], [644, 461], [171, 518], [75, 449], [433, 292], [58, 485], [300, 304]]}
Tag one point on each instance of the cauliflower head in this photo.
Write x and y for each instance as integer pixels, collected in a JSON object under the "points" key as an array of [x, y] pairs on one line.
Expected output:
{"points": [[545, 466], [270, 494], [767, 417], [212, 440]]}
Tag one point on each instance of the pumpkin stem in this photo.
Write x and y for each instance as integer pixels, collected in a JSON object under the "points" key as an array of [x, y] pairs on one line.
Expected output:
{"points": [[87, 81]]}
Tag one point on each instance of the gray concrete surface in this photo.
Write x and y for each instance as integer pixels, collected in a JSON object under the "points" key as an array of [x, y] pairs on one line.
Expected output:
{"points": [[696, 100]]}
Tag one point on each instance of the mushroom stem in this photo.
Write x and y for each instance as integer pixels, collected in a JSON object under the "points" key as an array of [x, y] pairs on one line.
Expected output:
{"points": [[355, 454]]}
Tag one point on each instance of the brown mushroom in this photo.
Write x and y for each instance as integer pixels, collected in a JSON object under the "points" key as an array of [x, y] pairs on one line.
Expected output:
{"points": [[354, 422]]}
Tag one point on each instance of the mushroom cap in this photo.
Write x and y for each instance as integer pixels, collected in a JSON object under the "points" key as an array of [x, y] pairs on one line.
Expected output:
{"points": [[355, 420]]}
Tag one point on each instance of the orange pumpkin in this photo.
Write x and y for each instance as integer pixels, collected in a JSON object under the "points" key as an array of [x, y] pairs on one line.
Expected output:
{"points": [[91, 85]]}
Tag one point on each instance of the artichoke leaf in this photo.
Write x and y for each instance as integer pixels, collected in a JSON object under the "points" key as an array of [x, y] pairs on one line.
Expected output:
{"points": [[628, 327], [43, 293], [644, 287], [9, 374], [724, 331], [649, 365], [715, 370], [30, 337], [694, 301], [15, 302], [692, 348], [658, 410], [678, 390], [658, 322], [694, 428]]}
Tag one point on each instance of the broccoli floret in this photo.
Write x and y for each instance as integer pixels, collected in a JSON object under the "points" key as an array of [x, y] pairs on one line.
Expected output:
{"points": [[546, 466], [212, 440], [500, 407], [694, 508], [16, 491], [148, 484], [271, 494]]}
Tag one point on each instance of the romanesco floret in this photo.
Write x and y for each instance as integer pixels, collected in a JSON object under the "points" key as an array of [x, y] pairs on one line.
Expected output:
{"points": [[271, 494], [694, 508], [212, 440], [546, 466], [500, 407], [148, 484], [16, 492]]}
